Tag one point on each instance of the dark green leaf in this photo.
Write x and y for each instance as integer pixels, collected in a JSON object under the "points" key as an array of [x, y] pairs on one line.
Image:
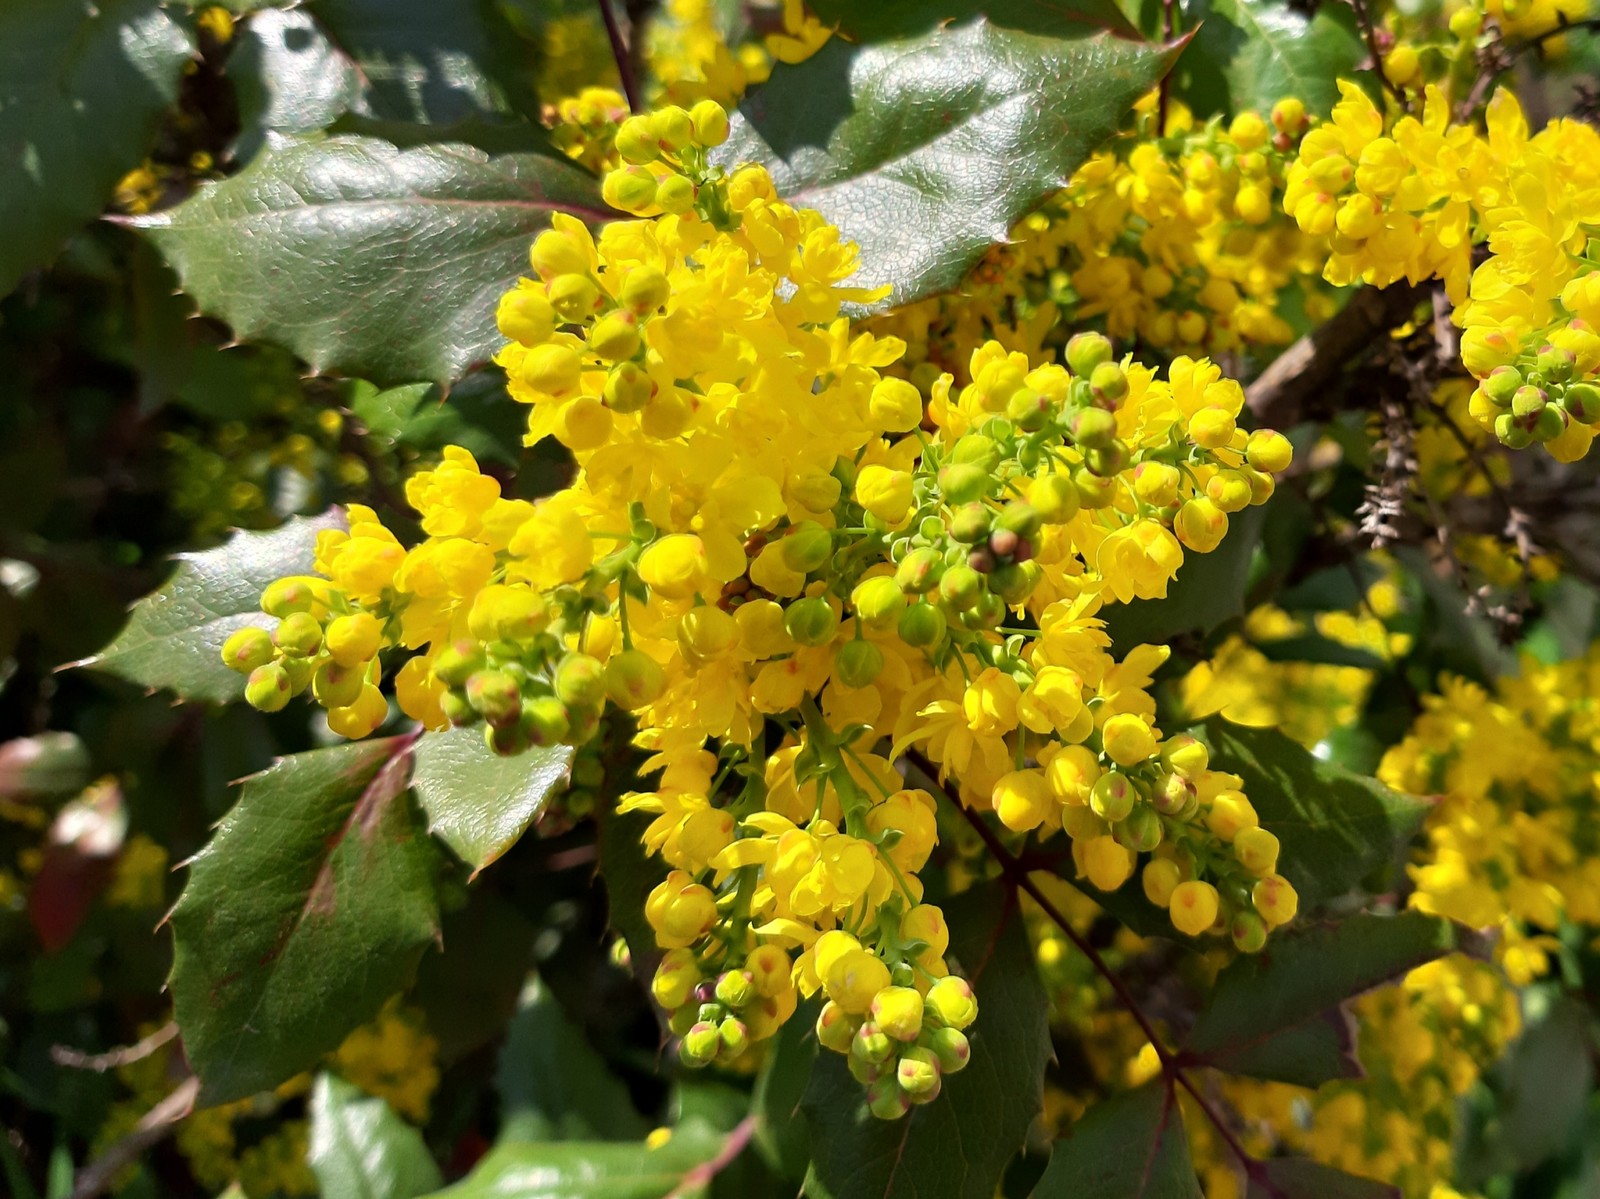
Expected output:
{"points": [[630, 875], [289, 77], [50, 764], [1334, 826], [365, 259], [1300, 1178], [554, 1086], [477, 802], [82, 86], [956, 1147], [1129, 1147], [1210, 588], [361, 1149], [308, 908], [593, 1169], [468, 987], [901, 18], [1253, 53], [926, 151], [1299, 981], [479, 416], [174, 636], [780, 1087]]}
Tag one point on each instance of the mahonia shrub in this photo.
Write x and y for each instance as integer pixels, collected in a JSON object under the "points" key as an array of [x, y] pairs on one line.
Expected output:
{"points": [[872, 600]]}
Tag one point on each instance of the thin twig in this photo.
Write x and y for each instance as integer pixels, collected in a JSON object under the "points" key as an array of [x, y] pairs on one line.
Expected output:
{"points": [[1496, 58], [154, 1126], [1370, 32], [76, 1059], [619, 51], [1164, 89], [700, 1177]]}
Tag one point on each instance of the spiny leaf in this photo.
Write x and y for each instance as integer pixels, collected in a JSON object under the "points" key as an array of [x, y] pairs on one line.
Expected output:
{"points": [[1300, 1178], [174, 636], [1249, 54], [308, 908], [927, 150], [360, 1147], [1130, 1147], [898, 18], [365, 259]]}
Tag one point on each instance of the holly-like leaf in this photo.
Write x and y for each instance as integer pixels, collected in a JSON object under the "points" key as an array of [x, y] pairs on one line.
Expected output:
{"points": [[174, 636], [1249, 54], [553, 1085], [1334, 826], [780, 1089], [957, 1146], [360, 1147], [1261, 1005], [308, 908], [289, 77], [517, 1169], [1301, 1178], [366, 259], [926, 150], [83, 84], [477, 802], [479, 416], [900, 18], [1129, 1147]]}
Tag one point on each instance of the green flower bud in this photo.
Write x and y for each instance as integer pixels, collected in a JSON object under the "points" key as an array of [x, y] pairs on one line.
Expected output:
{"points": [[922, 626], [1529, 401], [950, 1003], [859, 663], [1511, 434], [615, 336], [629, 189], [960, 587], [268, 688], [457, 710], [871, 1044], [886, 1100], [977, 450], [1172, 793], [700, 1046], [496, 696], [1582, 402], [1108, 461], [970, 524], [918, 1071], [878, 602], [811, 621], [986, 612], [1028, 410], [580, 681], [1550, 423], [1249, 931], [807, 547], [338, 686], [1022, 519], [867, 1073], [1140, 830], [1094, 492], [286, 597], [1093, 428], [951, 1047], [1108, 382], [1112, 796], [507, 741], [628, 388], [636, 141], [1013, 582], [298, 635], [835, 1028], [675, 195], [919, 571], [1555, 364], [964, 482], [1502, 385], [673, 127], [898, 1012], [547, 721], [1085, 352], [735, 1037], [247, 649]]}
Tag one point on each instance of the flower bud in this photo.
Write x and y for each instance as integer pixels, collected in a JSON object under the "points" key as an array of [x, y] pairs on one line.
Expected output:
{"points": [[1112, 795], [1528, 401], [970, 523], [298, 635], [1194, 907], [1502, 384], [636, 141], [918, 1071], [885, 493], [898, 1012], [574, 297], [811, 621], [1200, 525], [1275, 899], [458, 663], [710, 123], [859, 663], [672, 126], [629, 189], [1556, 364], [1211, 428], [963, 482], [553, 368], [1156, 483], [1109, 383], [676, 195], [950, 1003], [1093, 428], [246, 649], [496, 696], [700, 1046], [886, 1100], [1256, 850], [951, 1047], [1104, 861], [1269, 451], [871, 1044], [1582, 402], [338, 686], [960, 586], [919, 571], [1160, 878], [807, 547], [1550, 423], [580, 681], [1140, 830], [922, 626], [1085, 351], [895, 406], [1249, 932], [633, 679], [268, 688], [835, 1029], [615, 336], [878, 602], [735, 989], [1054, 498], [675, 978]]}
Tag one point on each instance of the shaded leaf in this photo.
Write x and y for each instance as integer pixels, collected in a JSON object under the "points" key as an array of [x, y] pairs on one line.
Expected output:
{"points": [[926, 151], [1334, 826], [900, 18], [479, 416], [1299, 980], [50, 764], [553, 1085], [83, 84], [308, 908], [366, 259], [780, 1087], [467, 988], [1129, 1147], [1249, 54], [477, 802], [1301, 1178], [174, 636], [959, 1145], [360, 1148]]}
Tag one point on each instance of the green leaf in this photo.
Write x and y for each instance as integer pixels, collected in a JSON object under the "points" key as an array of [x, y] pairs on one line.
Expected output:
{"points": [[369, 260], [780, 1088], [553, 1085], [174, 637], [1249, 54], [82, 87], [629, 874], [360, 1148], [289, 77], [516, 1169], [308, 908], [1299, 981], [1129, 1147], [958, 1146], [479, 416], [1210, 589], [926, 151], [1334, 826], [1301, 1178], [45, 766], [477, 802], [900, 18]]}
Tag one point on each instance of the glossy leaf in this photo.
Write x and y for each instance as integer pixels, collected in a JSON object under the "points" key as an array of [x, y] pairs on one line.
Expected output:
{"points": [[1129, 1147], [477, 802], [361, 1148], [174, 637], [1334, 826], [900, 18], [83, 84], [780, 1088], [1261, 1005], [927, 150], [958, 1146], [308, 908], [1301, 1178], [366, 259], [478, 415], [289, 77], [1253, 53]]}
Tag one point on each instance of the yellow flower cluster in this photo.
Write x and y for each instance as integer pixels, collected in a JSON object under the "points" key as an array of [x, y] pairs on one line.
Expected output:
{"points": [[1408, 198], [1512, 838], [1175, 238], [768, 535]]}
